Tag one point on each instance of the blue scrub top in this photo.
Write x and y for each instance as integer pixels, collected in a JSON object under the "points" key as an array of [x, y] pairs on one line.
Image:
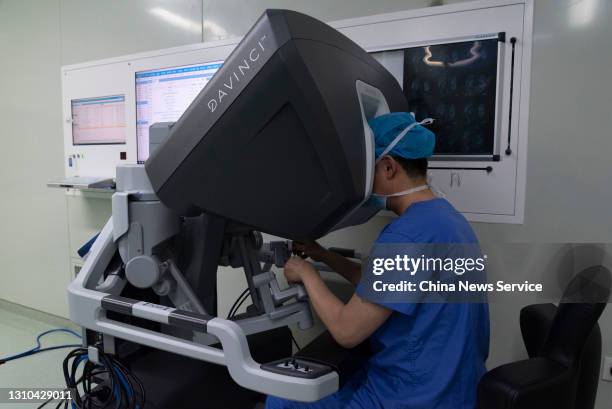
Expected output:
{"points": [[428, 356]]}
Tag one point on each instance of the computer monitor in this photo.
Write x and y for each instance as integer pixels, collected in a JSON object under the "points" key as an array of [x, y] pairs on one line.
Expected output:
{"points": [[162, 95], [98, 121]]}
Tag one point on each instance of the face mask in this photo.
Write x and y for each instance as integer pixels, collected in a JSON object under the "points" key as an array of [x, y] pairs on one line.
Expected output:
{"points": [[381, 200], [376, 202]]}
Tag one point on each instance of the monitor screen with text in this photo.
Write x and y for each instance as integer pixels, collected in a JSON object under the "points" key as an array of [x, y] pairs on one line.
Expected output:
{"points": [[163, 95], [98, 121]]}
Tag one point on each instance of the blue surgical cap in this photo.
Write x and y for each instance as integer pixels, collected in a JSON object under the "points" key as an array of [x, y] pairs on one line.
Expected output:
{"points": [[418, 143]]}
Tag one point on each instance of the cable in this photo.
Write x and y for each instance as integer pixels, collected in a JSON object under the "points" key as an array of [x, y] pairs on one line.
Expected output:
{"points": [[120, 387], [234, 307], [246, 297], [38, 348], [237, 304], [23, 355], [42, 405], [295, 342]]}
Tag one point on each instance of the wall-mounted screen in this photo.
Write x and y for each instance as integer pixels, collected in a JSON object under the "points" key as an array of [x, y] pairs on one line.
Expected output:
{"points": [[99, 120], [163, 95], [456, 84]]}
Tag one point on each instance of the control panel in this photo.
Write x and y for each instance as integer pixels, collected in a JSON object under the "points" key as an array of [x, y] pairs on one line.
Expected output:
{"points": [[297, 367]]}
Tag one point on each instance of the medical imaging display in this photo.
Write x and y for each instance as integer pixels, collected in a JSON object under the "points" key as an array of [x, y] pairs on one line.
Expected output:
{"points": [[455, 83]]}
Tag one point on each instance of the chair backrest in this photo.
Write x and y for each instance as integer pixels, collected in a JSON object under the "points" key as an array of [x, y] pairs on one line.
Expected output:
{"points": [[590, 366], [536, 321], [564, 346], [581, 306]]}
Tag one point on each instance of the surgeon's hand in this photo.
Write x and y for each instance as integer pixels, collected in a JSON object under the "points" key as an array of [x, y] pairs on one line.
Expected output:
{"points": [[311, 249], [296, 268]]}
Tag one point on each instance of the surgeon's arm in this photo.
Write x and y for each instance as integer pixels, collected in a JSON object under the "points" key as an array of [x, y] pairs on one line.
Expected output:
{"points": [[347, 268], [349, 324]]}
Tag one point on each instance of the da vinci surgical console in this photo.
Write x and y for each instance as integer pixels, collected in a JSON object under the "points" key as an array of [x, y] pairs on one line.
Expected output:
{"points": [[278, 143]]}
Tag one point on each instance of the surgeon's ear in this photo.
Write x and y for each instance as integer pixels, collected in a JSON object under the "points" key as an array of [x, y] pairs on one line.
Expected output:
{"points": [[389, 166]]}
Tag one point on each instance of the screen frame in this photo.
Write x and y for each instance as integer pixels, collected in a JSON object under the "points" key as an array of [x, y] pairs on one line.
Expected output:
{"points": [[162, 68], [72, 101], [501, 37]]}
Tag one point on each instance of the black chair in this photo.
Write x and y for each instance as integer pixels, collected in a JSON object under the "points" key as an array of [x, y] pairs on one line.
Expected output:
{"points": [[564, 348]]}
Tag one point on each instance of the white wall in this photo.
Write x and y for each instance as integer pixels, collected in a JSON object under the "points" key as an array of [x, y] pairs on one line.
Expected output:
{"points": [[92, 29], [568, 190], [34, 239], [36, 38]]}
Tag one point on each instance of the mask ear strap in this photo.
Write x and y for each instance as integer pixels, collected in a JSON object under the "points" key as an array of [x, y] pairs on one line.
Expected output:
{"points": [[395, 141], [427, 121]]}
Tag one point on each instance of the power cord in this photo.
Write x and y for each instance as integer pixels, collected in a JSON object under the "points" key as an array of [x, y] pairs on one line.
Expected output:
{"points": [[38, 348], [119, 385]]}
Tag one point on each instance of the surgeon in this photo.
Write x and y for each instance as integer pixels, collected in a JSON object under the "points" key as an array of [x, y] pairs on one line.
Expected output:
{"points": [[425, 355]]}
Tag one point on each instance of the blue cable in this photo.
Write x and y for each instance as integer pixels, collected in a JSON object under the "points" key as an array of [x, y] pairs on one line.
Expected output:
{"points": [[117, 386], [117, 393], [124, 382], [78, 359], [38, 348]]}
